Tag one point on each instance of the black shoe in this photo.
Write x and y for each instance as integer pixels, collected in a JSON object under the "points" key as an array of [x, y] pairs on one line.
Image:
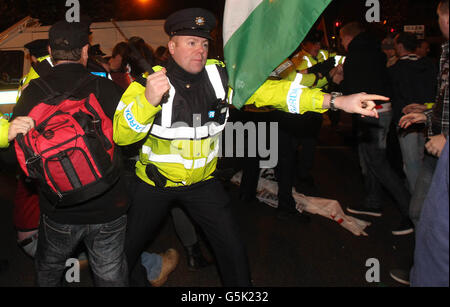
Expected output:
{"points": [[400, 276], [285, 215], [406, 227], [367, 211], [195, 258]]}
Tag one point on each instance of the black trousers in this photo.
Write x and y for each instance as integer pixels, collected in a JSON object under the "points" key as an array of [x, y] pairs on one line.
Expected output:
{"points": [[309, 124], [208, 204], [285, 170], [287, 150]]}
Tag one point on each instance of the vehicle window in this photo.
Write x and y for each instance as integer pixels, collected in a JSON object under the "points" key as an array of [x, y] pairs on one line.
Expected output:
{"points": [[11, 67]]}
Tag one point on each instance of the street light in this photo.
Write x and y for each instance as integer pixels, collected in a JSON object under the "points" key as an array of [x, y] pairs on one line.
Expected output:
{"points": [[144, 2]]}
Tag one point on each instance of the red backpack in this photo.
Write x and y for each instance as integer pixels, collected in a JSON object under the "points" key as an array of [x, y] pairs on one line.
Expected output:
{"points": [[71, 150]]}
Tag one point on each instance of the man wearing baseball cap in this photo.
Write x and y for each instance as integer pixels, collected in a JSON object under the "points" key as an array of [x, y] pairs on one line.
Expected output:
{"points": [[99, 222]]}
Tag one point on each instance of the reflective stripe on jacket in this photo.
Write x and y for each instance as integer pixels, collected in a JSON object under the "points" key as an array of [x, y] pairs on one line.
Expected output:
{"points": [[303, 60]]}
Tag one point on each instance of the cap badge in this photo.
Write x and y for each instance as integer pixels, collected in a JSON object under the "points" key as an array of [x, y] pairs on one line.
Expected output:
{"points": [[200, 21]]}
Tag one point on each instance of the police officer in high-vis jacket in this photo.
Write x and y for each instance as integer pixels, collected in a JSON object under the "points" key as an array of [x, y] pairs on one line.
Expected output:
{"points": [[41, 63], [179, 112]]}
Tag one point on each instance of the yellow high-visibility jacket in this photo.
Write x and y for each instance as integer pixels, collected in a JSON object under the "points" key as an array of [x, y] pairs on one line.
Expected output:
{"points": [[4, 126], [175, 154], [303, 60], [32, 74]]}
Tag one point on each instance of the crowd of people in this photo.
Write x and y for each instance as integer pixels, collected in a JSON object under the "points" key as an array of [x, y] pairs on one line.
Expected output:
{"points": [[166, 169]]}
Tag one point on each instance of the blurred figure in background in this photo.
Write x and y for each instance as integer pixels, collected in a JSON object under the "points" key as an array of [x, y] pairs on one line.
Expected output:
{"points": [[143, 50], [119, 67], [414, 81], [365, 70], [423, 48], [162, 55], [387, 46]]}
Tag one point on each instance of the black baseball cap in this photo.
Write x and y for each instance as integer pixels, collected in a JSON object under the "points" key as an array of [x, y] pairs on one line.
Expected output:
{"points": [[191, 22], [65, 35]]}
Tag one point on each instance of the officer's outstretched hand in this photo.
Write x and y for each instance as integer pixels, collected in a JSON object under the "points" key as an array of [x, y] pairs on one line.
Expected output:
{"points": [[21, 124], [157, 86], [361, 103]]}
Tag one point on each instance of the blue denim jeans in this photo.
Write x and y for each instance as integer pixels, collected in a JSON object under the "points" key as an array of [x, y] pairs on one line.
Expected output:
{"points": [[412, 144], [104, 243], [377, 172], [423, 184]]}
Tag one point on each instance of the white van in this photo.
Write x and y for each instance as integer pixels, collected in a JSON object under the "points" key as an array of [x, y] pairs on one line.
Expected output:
{"points": [[15, 60]]}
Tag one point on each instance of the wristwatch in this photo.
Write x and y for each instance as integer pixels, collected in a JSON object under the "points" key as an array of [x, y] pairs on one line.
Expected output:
{"points": [[334, 95]]}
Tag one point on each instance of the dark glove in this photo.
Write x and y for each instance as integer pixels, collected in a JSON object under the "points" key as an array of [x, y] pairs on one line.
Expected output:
{"points": [[323, 68]]}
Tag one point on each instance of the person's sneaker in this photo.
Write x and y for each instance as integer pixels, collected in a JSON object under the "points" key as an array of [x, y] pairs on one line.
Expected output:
{"points": [[406, 227], [400, 276], [170, 260], [366, 211]]}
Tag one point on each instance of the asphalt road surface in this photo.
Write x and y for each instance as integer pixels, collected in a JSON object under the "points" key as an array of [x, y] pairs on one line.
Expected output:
{"points": [[320, 253]]}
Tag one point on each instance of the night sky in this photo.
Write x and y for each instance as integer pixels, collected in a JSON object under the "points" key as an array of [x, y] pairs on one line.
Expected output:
{"points": [[49, 11], [396, 12]]}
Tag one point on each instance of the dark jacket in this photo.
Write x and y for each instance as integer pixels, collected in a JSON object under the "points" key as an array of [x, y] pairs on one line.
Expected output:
{"points": [[413, 81], [63, 78], [365, 68]]}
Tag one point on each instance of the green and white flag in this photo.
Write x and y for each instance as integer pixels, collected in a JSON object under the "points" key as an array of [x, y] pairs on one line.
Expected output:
{"points": [[259, 35]]}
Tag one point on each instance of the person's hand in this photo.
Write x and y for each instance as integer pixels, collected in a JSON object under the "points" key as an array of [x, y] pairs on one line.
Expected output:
{"points": [[414, 108], [337, 74], [361, 103], [21, 124], [412, 118], [157, 86], [436, 144]]}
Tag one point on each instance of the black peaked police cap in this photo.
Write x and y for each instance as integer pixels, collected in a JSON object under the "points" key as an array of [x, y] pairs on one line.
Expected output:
{"points": [[191, 22], [38, 47]]}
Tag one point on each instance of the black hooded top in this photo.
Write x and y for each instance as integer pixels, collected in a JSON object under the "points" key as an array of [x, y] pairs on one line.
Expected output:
{"points": [[365, 68]]}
